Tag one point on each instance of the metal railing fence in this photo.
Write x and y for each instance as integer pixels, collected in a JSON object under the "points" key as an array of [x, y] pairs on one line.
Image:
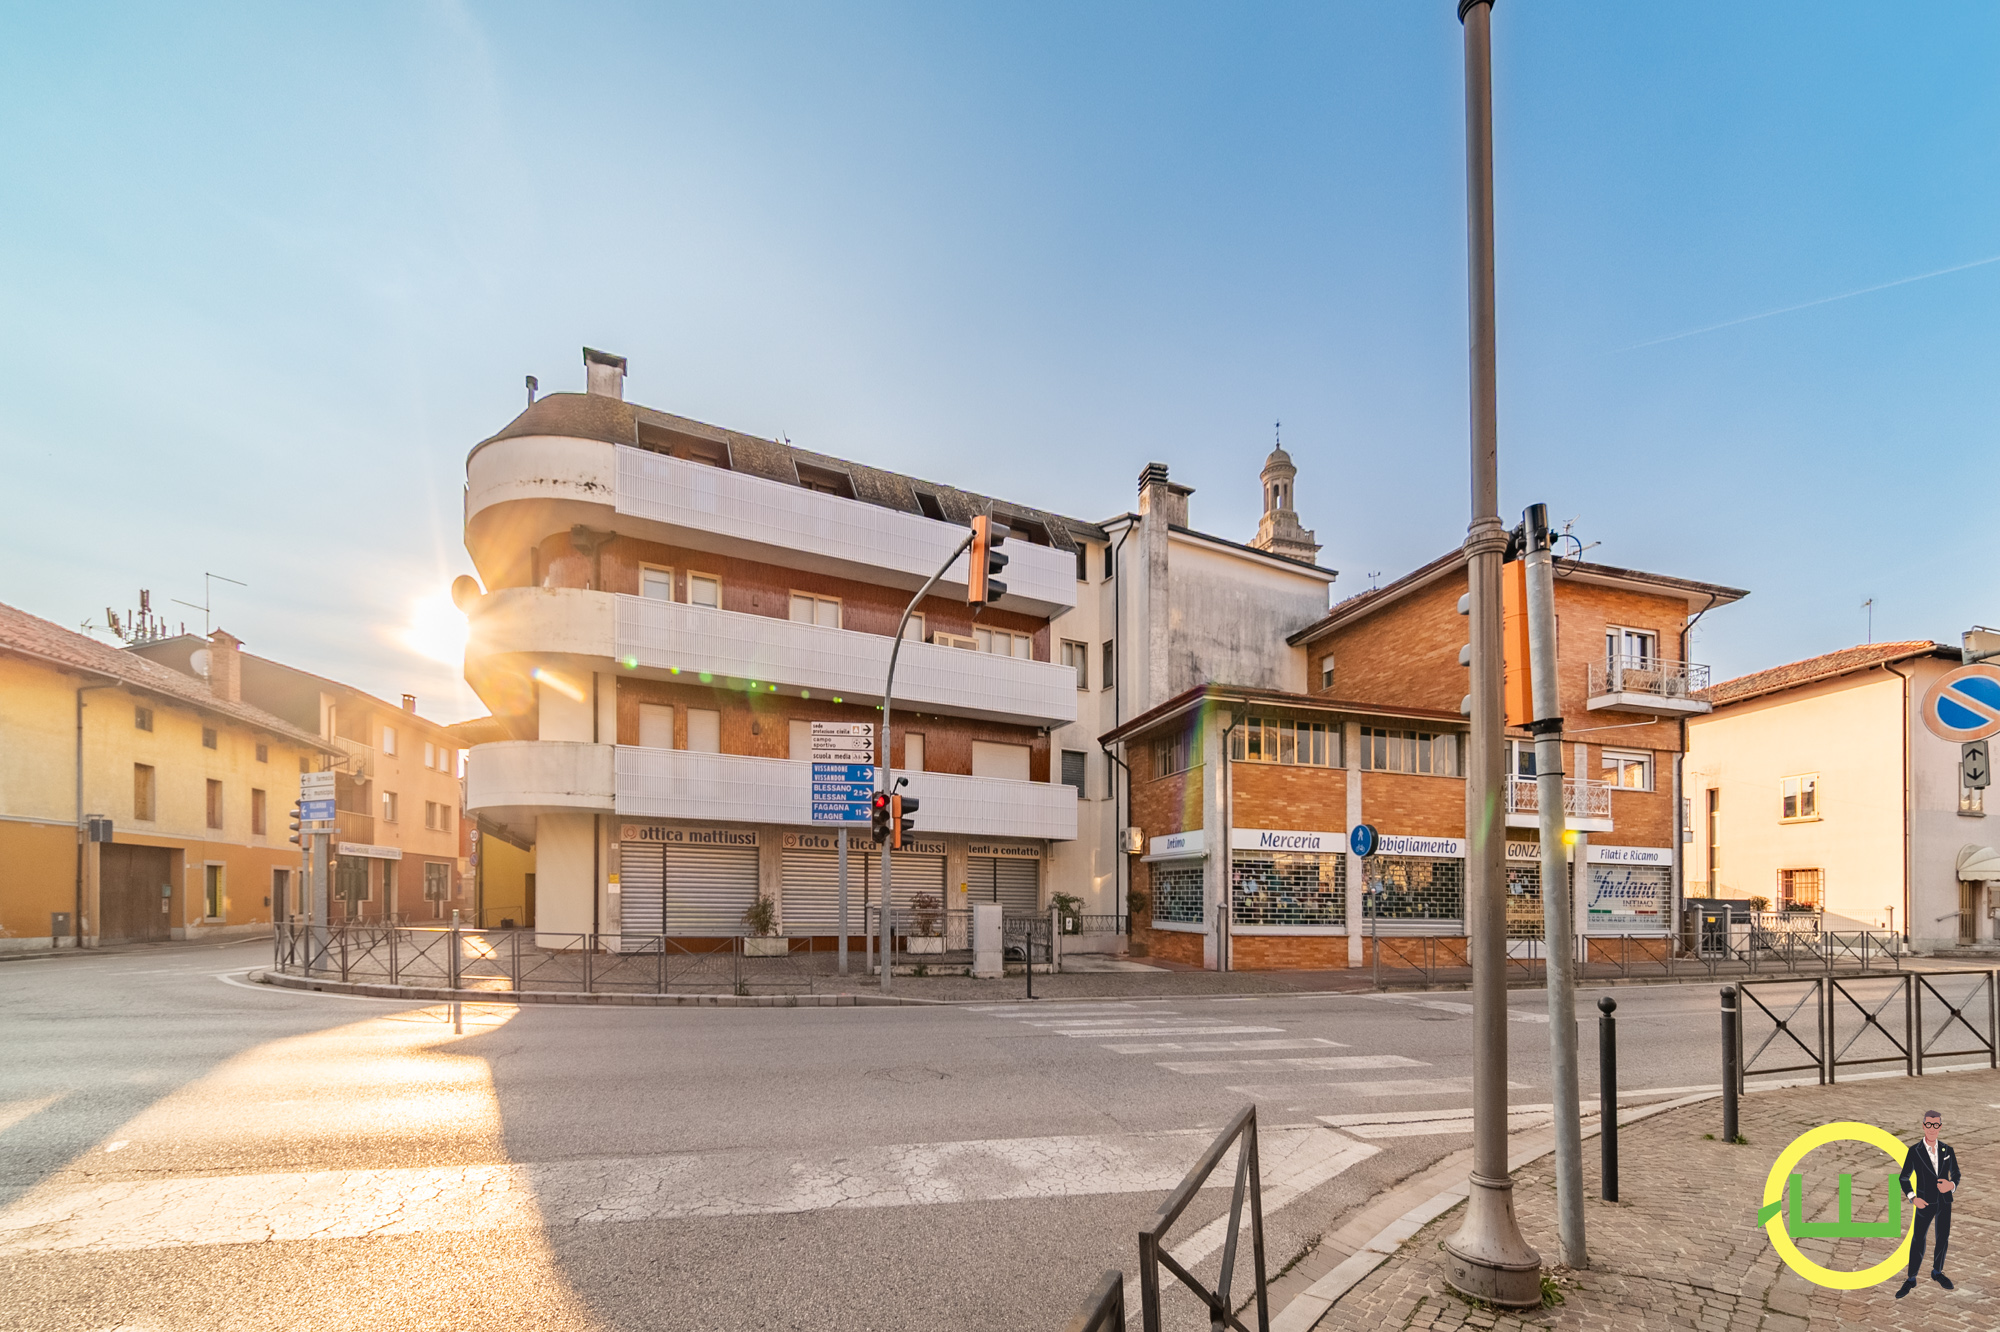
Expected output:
{"points": [[1429, 959], [1583, 798], [1241, 1133], [1633, 674], [524, 961], [1824, 1024]]}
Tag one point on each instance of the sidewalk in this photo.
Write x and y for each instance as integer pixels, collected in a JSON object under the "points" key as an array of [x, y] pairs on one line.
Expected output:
{"points": [[1682, 1248]]}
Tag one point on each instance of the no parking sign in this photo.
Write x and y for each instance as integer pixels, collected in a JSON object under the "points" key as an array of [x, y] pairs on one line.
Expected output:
{"points": [[1964, 704]]}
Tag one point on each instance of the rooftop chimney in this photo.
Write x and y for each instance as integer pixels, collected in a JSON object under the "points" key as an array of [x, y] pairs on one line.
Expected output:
{"points": [[410, 703], [606, 373], [532, 386], [225, 666], [1157, 494]]}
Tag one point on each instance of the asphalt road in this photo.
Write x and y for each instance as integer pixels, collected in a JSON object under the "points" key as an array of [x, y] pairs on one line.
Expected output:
{"points": [[179, 1149]]}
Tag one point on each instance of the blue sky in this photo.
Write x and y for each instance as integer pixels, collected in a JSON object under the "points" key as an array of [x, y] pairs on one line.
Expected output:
{"points": [[269, 275]]}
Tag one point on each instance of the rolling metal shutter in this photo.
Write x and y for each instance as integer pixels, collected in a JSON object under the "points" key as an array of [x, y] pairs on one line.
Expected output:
{"points": [[914, 874], [708, 888], [812, 891], [642, 888], [1015, 884]]}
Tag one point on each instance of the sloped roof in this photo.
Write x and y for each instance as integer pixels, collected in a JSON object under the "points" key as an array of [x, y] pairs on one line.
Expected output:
{"points": [[31, 636], [615, 421], [1826, 666]]}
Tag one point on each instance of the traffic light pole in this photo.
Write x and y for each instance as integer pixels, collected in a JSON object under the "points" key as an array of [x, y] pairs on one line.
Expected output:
{"points": [[1487, 1258], [1560, 965], [883, 754]]}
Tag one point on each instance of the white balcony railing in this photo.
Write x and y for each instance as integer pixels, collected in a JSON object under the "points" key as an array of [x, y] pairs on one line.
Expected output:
{"points": [[681, 784], [1582, 798], [1653, 677]]}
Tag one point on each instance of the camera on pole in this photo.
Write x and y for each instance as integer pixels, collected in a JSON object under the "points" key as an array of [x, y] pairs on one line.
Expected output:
{"points": [[981, 587]]}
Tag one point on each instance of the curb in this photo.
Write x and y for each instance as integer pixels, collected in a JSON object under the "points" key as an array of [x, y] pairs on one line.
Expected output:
{"points": [[1370, 1251], [374, 991]]}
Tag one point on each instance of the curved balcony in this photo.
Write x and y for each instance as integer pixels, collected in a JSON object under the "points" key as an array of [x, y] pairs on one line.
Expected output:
{"points": [[523, 488], [514, 781], [650, 637]]}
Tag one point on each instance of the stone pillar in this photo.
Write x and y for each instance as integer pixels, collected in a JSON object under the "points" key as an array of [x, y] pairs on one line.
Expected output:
{"points": [[1215, 869], [564, 893], [1356, 867]]}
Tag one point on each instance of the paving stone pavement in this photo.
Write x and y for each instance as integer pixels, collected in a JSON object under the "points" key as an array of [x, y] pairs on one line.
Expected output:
{"points": [[1682, 1249]]}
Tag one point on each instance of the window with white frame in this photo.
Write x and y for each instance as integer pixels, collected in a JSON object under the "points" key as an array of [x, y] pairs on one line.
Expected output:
{"points": [[1409, 751], [389, 806], [1003, 643], [705, 590], [1076, 656], [655, 583], [1631, 770], [1520, 758], [1638, 648], [1325, 673], [1281, 740], [1799, 797], [809, 609], [1801, 889], [388, 739], [1176, 753]]}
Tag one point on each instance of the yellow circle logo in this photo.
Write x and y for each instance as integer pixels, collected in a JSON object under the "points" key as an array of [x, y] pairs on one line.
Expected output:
{"points": [[1785, 1223]]}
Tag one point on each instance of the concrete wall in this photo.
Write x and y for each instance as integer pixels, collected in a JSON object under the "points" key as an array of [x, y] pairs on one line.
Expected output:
{"points": [[1228, 616]]}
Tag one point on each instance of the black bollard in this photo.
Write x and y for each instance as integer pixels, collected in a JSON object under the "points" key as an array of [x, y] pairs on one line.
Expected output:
{"points": [[1731, 1075], [1607, 1093]]}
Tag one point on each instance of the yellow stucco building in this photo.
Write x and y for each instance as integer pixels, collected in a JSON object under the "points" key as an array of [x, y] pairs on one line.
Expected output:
{"points": [[196, 785]]}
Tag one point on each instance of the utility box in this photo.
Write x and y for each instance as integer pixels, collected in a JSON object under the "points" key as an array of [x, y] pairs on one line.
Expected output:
{"points": [[59, 928], [987, 956]]}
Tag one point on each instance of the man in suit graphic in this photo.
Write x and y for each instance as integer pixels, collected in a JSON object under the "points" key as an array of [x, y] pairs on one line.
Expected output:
{"points": [[1930, 1178]]}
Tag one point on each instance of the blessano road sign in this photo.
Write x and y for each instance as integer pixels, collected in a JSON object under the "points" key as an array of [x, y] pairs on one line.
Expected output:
{"points": [[1964, 704]]}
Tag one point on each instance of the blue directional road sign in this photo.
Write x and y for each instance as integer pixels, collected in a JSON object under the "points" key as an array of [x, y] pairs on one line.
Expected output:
{"points": [[311, 810], [841, 792]]}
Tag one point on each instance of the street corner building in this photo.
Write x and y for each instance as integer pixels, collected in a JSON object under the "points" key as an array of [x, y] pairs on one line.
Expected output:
{"points": [[1243, 796], [139, 802]]}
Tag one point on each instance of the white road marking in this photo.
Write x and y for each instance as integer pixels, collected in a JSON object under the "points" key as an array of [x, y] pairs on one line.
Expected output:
{"points": [[1448, 1006], [1207, 1047], [1124, 1021], [155, 1213], [1004, 1009], [1312, 1063], [1275, 1091], [1136, 1032], [13, 1112]]}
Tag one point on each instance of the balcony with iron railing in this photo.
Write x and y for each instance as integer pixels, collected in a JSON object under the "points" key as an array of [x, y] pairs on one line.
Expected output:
{"points": [[1586, 804], [1652, 685]]}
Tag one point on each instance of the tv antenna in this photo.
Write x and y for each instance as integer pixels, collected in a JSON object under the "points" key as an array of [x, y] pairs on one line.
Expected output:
{"points": [[1869, 606], [207, 599]]}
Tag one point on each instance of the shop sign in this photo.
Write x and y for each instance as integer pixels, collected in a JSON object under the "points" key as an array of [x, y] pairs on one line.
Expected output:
{"points": [[1443, 848], [653, 832], [1272, 839], [1004, 851], [1629, 855], [815, 841], [1190, 843], [1627, 899], [1525, 852], [367, 852]]}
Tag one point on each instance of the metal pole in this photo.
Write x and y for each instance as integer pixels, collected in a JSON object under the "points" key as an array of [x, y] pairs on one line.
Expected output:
{"points": [[843, 901], [1487, 1258], [1607, 1093], [1560, 967], [1730, 1073]]}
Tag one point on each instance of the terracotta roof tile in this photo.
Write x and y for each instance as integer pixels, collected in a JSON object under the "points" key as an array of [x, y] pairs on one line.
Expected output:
{"points": [[1824, 667], [32, 636]]}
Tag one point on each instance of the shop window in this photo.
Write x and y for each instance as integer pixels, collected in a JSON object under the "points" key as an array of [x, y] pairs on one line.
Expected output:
{"points": [[1177, 892], [1414, 888], [1630, 771], [1289, 889], [1409, 751], [1799, 797]]}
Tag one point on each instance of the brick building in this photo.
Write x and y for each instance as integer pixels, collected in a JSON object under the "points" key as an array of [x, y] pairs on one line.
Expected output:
{"points": [[1371, 731]]}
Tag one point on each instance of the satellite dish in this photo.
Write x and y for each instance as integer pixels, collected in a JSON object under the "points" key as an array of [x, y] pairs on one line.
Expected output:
{"points": [[198, 662]]}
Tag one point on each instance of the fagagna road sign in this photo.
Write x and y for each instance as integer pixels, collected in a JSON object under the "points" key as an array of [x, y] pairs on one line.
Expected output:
{"points": [[1964, 704]]}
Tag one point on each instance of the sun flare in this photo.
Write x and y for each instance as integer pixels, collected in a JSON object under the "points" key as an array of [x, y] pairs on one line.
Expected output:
{"points": [[437, 629]]}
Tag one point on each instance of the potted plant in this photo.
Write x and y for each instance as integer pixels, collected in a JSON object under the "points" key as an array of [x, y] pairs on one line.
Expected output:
{"points": [[762, 920], [926, 924], [1069, 910]]}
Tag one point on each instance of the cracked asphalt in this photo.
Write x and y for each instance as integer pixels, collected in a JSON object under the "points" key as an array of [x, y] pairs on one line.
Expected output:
{"points": [[181, 1150]]}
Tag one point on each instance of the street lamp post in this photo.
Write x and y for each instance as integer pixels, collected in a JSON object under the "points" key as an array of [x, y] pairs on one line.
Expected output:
{"points": [[1487, 1258]]}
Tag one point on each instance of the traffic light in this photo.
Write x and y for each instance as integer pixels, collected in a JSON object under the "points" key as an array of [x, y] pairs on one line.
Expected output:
{"points": [[981, 587], [900, 809], [878, 816], [296, 818]]}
